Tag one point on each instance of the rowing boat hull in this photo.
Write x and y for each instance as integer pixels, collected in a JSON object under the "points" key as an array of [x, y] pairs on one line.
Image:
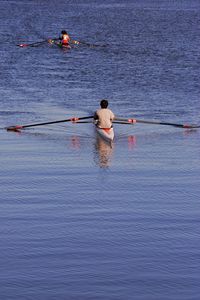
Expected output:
{"points": [[63, 46], [106, 134], [59, 44]]}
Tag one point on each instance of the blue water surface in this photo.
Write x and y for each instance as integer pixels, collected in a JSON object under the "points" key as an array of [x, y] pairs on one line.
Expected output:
{"points": [[80, 219]]}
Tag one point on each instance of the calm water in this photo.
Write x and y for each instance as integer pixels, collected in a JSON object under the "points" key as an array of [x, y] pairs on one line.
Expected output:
{"points": [[81, 220]]}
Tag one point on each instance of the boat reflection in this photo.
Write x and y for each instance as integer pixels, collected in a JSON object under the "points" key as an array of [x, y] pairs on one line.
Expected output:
{"points": [[103, 152]]}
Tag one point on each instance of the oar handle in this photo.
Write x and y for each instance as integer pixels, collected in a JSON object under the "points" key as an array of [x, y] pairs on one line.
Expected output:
{"points": [[122, 122]]}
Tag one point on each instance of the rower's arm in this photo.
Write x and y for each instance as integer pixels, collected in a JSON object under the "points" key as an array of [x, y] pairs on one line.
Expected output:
{"points": [[112, 117], [96, 116]]}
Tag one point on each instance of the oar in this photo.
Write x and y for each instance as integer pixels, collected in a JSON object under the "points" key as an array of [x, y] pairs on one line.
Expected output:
{"points": [[32, 44], [87, 44], [18, 127], [133, 121], [36, 43]]}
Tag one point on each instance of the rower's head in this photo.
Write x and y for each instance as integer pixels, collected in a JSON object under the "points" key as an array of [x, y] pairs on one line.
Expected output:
{"points": [[64, 32], [104, 103]]}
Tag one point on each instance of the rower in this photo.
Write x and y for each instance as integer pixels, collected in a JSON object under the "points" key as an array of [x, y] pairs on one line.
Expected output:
{"points": [[104, 116], [65, 39]]}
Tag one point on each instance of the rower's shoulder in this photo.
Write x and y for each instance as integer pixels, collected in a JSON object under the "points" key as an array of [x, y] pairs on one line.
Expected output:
{"points": [[110, 111]]}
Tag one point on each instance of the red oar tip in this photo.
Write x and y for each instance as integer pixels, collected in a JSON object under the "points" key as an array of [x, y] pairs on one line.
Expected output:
{"points": [[22, 45], [14, 128]]}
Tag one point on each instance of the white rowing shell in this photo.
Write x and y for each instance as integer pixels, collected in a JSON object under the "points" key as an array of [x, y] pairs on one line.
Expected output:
{"points": [[106, 133]]}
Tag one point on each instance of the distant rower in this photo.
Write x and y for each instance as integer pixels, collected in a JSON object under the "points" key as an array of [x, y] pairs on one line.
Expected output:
{"points": [[65, 39]]}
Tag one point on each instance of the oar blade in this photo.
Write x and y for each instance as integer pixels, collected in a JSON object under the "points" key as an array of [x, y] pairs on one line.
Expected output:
{"points": [[14, 128], [22, 45]]}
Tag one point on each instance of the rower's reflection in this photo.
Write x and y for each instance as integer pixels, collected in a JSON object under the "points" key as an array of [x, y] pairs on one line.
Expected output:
{"points": [[103, 153]]}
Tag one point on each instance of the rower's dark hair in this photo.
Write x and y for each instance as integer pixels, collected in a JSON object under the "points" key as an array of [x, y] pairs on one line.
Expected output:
{"points": [[64, 32], [104, 103]]}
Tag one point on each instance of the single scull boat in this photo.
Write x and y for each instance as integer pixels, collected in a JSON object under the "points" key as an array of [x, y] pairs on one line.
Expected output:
{"points": [[62, 46], [59, 44]]}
